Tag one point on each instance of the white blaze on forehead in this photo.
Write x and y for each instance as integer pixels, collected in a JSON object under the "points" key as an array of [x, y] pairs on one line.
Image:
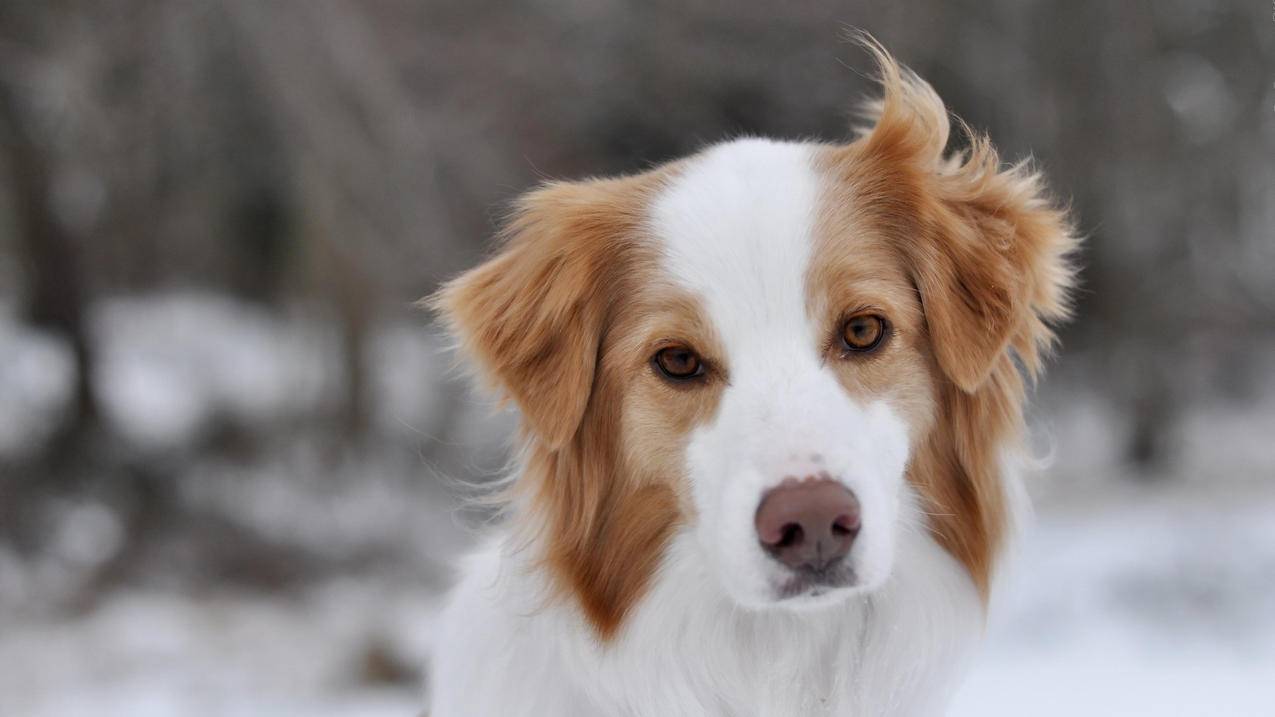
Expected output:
{"points": [[736, 227]]}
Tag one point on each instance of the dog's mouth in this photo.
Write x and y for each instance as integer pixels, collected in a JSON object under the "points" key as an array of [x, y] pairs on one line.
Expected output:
{"points": [[810, 582]]}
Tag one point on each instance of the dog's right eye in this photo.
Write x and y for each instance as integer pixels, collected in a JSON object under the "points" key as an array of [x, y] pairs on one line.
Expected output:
{"points": [[678, 363]]}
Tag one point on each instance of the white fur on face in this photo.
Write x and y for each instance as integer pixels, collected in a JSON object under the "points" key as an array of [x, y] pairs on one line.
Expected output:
{"points": [[737, 228]]}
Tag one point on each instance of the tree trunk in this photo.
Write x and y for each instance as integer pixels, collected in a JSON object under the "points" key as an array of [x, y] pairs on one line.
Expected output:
{"points": [[56, 297]]}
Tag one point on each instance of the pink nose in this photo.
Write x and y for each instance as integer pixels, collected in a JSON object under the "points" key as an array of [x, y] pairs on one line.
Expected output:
{"points": [[809, 524]]}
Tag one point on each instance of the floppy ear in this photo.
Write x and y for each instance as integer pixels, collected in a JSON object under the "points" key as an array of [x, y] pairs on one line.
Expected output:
{"points": [[532, 316], [992, 267], [987, 250]]}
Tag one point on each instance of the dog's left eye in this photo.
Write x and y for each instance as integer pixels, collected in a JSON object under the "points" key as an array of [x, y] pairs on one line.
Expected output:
{"points": [[678, 363], [863, 333]]}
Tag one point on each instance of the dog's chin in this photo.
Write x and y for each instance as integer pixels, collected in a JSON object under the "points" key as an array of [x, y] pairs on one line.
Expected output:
{"points": [[817, 597], [804, 591], [816, 583], [813, 591]]}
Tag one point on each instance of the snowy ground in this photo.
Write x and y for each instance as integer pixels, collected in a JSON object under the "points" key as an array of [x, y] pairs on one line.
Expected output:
{"points": [[144, 654], [1126, 598], [1145, 604], [1117, 610]]}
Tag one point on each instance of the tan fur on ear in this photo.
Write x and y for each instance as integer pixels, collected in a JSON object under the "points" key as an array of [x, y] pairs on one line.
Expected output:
{"points": [[536, 318], [532, 316], [989, 256], [988, 251]]}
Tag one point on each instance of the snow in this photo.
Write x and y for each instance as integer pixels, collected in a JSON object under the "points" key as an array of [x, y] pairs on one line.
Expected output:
{"points": [[146, 653], [35, 382], [1144, 605], [167, 368]]}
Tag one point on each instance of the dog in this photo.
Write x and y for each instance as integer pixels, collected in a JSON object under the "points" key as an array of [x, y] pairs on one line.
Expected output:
{"points": [[771, 399]]}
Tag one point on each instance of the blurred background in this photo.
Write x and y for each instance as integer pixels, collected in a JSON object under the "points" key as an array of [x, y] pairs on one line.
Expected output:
{"points": [[230, 446]]}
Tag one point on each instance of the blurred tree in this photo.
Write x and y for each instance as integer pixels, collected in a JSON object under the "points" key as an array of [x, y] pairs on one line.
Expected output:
{"points": [[56, 297], [352, 154]]}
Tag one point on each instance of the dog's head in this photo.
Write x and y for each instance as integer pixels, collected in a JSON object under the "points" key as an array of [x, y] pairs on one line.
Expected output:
{"points": [[791, 352]]}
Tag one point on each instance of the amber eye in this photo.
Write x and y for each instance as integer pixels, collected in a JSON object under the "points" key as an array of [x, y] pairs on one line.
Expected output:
{"points": [[678, 363], [863, 333]]}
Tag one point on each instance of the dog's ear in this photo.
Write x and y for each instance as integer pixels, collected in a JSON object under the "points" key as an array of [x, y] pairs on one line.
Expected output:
{"points": [[988, 252], [991, 263], [532, 316]]}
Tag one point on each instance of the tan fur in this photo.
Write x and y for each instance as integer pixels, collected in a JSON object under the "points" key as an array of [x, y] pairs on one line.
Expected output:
{"points": [[544, 320], [623, 482], [532, 316], [987, 255]]}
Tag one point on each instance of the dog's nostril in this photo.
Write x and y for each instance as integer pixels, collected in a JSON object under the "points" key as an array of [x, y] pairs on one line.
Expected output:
{"points": [[791, 535], [808, 524], [846, 524]]}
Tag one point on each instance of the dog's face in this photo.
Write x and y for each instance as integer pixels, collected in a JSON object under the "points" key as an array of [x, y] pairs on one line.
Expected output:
{"points": [[808, 340], [791, 352]]}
